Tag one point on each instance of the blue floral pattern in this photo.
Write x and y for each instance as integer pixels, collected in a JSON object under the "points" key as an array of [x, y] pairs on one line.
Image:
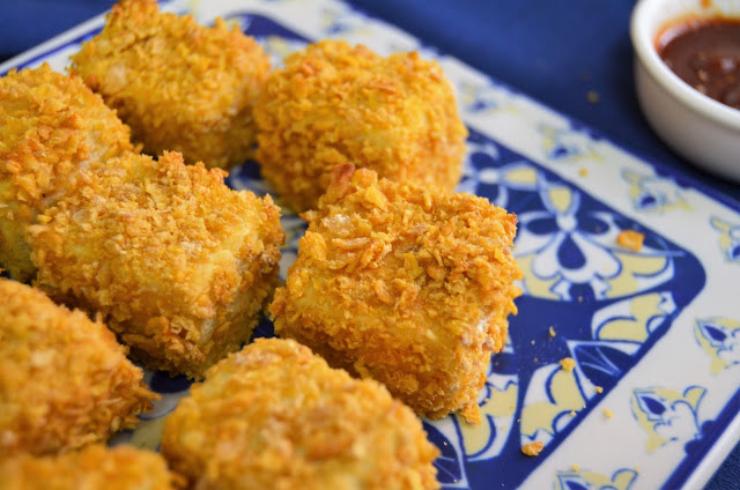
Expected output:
{"points": [[585, 297]]}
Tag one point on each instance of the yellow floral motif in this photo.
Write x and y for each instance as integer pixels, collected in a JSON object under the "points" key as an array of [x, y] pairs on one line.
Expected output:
{"points": [[720, 338], [480, 98], [653, 193], [729, 238], [620, 480], [540, 417], [539, 288], [569, 145], [634, 266], [499, 408], [667, 415], [633, 325]]}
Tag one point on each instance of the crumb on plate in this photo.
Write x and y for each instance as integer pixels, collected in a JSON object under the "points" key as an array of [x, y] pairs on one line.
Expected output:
{"points": [[533, 448], [567, 364], [631, 240]]}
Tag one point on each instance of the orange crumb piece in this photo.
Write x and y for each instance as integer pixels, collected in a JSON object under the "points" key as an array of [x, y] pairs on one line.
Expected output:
{"points": [[533, 449], [575, 467], [551, 331], [567, 364], [631, 240], [599, 390], [583, 171], [607, 413]]}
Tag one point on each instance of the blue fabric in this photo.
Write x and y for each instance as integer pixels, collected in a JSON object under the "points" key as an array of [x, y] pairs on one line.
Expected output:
{"points": [[554, 51]]}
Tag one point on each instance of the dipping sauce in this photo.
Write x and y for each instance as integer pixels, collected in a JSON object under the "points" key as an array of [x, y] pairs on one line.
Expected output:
{"points": [[705, 53]]}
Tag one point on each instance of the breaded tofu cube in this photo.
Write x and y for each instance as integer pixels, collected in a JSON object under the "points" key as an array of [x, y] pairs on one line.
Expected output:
{"points": [[52, 125], [404, 285], [179, 85], [93, 468], [179, 264], [334, 104], [276, 416], [64, 380]]}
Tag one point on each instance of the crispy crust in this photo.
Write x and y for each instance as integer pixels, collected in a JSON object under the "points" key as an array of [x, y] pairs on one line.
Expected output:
{"points": [[179, 85], [64, 381], [335, 104], [52, 125], [276, 416], [179, 264], [403, 285], [94, 468]]}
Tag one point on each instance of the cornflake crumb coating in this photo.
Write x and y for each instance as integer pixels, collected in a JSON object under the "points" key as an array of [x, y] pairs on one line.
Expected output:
{"points": [[93, 468], [179, 264], [64, 380], [179, 85], [403, 285], [335, 104], [52, 125], [276, 416]]}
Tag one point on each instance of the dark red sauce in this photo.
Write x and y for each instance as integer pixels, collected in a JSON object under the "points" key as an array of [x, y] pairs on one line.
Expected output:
{"points": [[705, 53]]}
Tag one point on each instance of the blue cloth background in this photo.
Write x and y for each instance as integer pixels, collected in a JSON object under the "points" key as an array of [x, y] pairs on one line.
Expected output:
{"points": [[554, 51]]}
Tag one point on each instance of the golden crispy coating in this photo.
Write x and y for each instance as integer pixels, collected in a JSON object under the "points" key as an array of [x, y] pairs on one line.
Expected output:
{"points": [[276, 416], [335, 104], [403, 285], [179, 85], [64, 381], [93, 468], [179, 264], [52, 125]]}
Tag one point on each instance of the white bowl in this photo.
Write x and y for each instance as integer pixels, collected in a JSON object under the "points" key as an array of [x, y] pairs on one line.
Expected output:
{"points": [[698, 127]]}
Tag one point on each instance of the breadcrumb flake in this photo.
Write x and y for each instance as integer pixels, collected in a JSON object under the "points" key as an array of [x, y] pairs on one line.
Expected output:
{"points": [[533, 449], [567, 364], [631, 240]]}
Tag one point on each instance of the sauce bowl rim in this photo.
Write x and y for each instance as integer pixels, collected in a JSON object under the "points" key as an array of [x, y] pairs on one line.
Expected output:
{"points": [[643, 42]]}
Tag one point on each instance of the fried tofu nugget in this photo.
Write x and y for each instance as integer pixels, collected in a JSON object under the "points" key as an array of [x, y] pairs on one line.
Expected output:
{"points": [[403, 285], [334, 104], [64, 380], [276, 416], [179, 85], [52, 125], [93, 468], [179, 264]]}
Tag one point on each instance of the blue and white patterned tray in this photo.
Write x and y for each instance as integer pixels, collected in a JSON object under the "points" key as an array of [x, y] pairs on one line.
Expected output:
{"points": [[654, 398]]}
